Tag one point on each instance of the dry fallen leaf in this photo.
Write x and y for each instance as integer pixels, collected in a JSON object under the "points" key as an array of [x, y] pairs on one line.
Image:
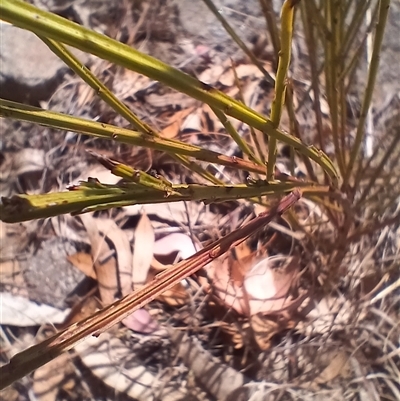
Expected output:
{"points": [[83, 262], [267, 287], [143, 251], [175, 123], [338, 366], [263, 330], [123, 251], [227, 288], [105, 265], [260, 288]]}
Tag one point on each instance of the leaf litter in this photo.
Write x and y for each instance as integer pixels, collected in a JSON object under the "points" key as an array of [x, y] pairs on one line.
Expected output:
{"points": [[261, 308]]}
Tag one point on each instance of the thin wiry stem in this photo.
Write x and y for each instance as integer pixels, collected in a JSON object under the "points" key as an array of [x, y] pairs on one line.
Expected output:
{"points": [[372, 72]]}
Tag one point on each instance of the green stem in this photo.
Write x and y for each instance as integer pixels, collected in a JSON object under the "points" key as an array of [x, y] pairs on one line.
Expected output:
{"points": [[372, 72], [52, 26]]}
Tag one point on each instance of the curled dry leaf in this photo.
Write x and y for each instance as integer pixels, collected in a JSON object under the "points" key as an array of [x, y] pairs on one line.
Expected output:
{"points": [[143, 251], [83, 262], [175, 123], [338, 366], [266, 287], [262, 289], [105, 265], [169, 249], [123, 251]]}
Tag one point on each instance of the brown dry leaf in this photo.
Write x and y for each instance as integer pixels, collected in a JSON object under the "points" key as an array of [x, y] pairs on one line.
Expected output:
{"points": [[258, 289], [242, 251], [175, 123], [267, 288], [175, 296], [10, 273], [234, 333], [210, 115], [105, 265], [242, 71], [143, 251], [82, 310], [225, 287], [263, 330], [10, 394], [47, 379], [83, 262], [122, 247], [212, 75], [338, 366]]}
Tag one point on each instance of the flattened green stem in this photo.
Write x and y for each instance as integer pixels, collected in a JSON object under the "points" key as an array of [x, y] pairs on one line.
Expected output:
{"points": [[101, 90], [52, 26], [92, 195], [101, 130], [372, 72], [238, 41], [133, 175], [105, 94], [287, 18]]}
